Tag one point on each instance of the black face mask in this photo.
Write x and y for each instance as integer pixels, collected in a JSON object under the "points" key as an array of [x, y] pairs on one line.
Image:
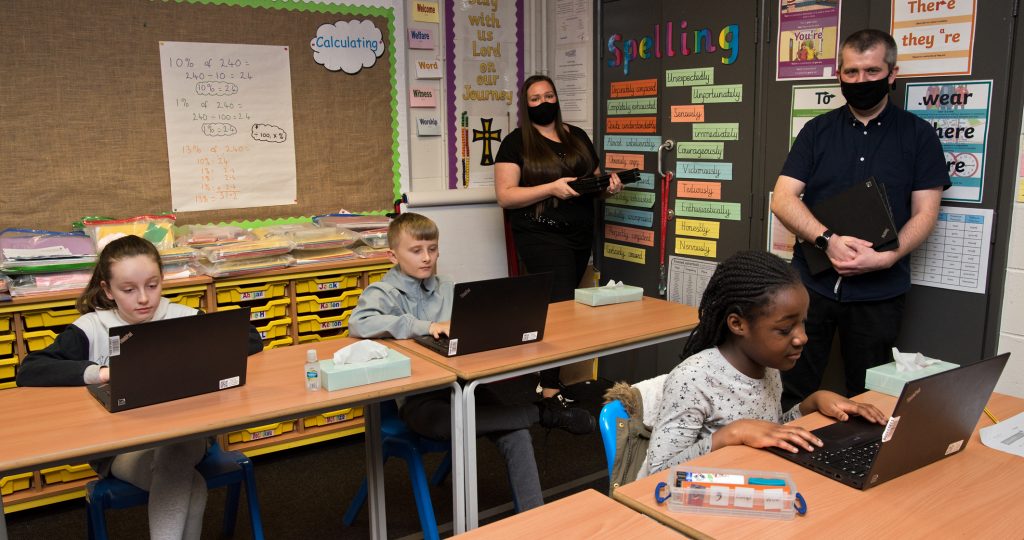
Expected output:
{"points": [[865, 95], [543, 114]]}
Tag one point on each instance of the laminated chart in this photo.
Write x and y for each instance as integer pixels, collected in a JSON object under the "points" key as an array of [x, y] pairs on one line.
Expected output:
{"points": [[955, 255]]}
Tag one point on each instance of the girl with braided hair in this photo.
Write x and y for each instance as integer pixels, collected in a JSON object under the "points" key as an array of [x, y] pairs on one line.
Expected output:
{"points": [[728, 390]]}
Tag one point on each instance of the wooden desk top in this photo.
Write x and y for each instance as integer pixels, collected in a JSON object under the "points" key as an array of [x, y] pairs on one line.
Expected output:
{"points": [[573, 329], [50, 426], [970, 495], [587, 514]]}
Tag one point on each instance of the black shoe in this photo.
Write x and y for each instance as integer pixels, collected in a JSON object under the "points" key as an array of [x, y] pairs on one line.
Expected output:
{"points": [[555, 414]]}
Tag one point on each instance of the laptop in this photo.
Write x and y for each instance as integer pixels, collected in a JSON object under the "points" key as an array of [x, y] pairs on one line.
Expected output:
{"points": [[494, 313], [863, 211], [934, 418], [176, 358]]}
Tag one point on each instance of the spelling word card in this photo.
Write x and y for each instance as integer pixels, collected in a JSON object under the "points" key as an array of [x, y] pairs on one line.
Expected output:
{"points": [[955, 255]]}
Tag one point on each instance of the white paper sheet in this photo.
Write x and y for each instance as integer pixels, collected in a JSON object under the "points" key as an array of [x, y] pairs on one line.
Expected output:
{"points": [[1007, 436]]}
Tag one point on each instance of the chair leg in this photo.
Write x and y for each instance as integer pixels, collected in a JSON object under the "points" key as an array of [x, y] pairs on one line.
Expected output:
{"points": [[443, 470], [356, 505], [255, 515], [231, 510], [420, 490], [97, 522]]}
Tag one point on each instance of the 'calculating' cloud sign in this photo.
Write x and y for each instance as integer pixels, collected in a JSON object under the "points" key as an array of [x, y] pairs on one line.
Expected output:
{"points": [[347, 45]]}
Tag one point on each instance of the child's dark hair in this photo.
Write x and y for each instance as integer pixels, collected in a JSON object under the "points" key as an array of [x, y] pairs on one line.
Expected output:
{"points": [[744, 284], [417, 226], [128, 246]]}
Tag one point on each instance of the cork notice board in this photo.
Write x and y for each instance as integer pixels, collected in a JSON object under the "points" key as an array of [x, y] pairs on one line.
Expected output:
{"points": [[82, 109]]}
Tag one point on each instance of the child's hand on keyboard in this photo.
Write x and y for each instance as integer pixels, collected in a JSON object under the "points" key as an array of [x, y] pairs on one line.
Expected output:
{"points": [[836, 406], [438, 328], [762, 434]]}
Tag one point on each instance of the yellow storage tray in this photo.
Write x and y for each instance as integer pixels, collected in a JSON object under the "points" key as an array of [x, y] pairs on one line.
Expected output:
{"points": [[193, 300], [270, 310], [327, 283], [374, 277], [7, 366], [315, 323], [5, 323], [332, 417], [261, 432], [66, 473], [274, 329], [47, 318], [8, 384], [316, 338], [17, 482], [36, 341], [7, 344], [315, 304], [236, 294], [273, 344]]}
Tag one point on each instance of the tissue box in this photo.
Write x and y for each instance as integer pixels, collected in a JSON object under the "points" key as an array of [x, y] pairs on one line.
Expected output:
{"points": [[602, 296], [888, 380], [337, 377]]}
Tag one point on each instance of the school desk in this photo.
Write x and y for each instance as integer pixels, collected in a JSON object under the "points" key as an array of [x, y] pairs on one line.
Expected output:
{"points": [[573, 332], [974, 494], [54, 426], [587, 514]]}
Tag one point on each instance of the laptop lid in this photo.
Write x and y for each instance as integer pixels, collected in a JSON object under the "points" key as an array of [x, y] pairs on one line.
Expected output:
{"points": [[934, 418], [496, 313], [171, 359]]}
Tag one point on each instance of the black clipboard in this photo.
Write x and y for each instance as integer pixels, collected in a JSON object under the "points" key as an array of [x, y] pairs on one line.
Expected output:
{"points": [[863, 211]]}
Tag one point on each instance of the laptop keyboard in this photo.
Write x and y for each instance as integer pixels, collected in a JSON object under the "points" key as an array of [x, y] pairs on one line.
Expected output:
{"points": [[439, 345], [853, 460]]}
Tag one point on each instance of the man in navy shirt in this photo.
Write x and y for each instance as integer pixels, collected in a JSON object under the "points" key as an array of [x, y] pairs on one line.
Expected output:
{"points": [[862, 296]]}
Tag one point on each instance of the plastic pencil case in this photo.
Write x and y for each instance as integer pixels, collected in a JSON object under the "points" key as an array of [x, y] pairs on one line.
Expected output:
{"points": [[375, 238], [44, 283], [37, 244], [211, 235], [312, 256], [157, 229], [355, 222], [253, 249], [310, 236], [730, 492], [244, 266], [182, 254], [368, 252]]}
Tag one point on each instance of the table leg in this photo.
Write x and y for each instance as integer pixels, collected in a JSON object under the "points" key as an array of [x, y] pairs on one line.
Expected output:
{"points": [[458, 462], [374, 472], [469, 438]]}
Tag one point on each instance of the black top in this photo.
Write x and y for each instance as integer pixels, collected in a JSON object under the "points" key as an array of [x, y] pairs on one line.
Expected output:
{"points": [[567, 222], [834, 151]]}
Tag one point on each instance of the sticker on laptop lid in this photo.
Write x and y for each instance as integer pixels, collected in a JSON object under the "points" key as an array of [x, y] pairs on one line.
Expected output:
{"points": [[530, 336], [954, 447], [453, 346], [115, 343], [229, 382], [890, 428]]}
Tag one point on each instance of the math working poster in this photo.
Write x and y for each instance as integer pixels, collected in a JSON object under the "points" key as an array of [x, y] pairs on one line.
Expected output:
{"points": [[484, 70], [228, 110]]}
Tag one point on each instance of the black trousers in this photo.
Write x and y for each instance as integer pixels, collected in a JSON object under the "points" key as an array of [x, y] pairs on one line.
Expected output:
{"points": [[566, 266], [867, 333]]}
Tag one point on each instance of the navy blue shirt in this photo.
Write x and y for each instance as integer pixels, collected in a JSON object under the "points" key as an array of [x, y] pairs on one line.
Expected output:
{"points": [[834, 150]]}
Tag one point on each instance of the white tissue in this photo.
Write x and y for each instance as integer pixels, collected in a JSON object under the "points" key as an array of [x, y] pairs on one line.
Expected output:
{"points": [[613, 283], [911, 361], [360, 352]]}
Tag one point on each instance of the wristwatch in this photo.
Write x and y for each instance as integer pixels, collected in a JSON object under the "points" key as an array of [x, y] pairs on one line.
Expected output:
{"points": [[821, 242]]}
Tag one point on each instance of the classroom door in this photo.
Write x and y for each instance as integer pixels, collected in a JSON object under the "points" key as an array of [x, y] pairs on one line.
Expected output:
{"points": [[685, 72]]}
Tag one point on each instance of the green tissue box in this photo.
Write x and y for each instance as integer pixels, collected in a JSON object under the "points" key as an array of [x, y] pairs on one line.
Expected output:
{"points": [[602, 296], [338, 377], [888, 380]]}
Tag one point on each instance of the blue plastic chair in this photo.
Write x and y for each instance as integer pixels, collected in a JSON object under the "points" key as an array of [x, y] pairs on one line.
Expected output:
{"points": [[606, 421], [397, 440], [218, 467]]}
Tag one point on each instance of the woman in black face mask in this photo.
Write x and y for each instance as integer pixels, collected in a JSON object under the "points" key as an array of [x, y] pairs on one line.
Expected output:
{"points": [[552, 225]]}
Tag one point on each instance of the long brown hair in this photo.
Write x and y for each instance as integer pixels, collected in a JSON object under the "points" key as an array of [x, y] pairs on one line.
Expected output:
{"points": [[93, 298], [539, 161]]}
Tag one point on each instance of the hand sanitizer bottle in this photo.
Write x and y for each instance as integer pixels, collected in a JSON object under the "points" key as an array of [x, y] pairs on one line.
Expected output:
{"points": [[312, 371]]}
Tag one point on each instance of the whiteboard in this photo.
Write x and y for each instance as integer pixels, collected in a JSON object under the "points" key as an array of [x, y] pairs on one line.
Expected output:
{"points": [[472, 239]]}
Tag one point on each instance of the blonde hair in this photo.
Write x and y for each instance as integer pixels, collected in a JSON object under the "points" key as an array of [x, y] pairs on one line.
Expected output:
{"points": [[417, 226]]}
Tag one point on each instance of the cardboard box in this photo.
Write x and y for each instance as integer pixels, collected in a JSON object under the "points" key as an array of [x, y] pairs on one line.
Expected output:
{"points": [[888, 380], [602, 296], [338, 377]]}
